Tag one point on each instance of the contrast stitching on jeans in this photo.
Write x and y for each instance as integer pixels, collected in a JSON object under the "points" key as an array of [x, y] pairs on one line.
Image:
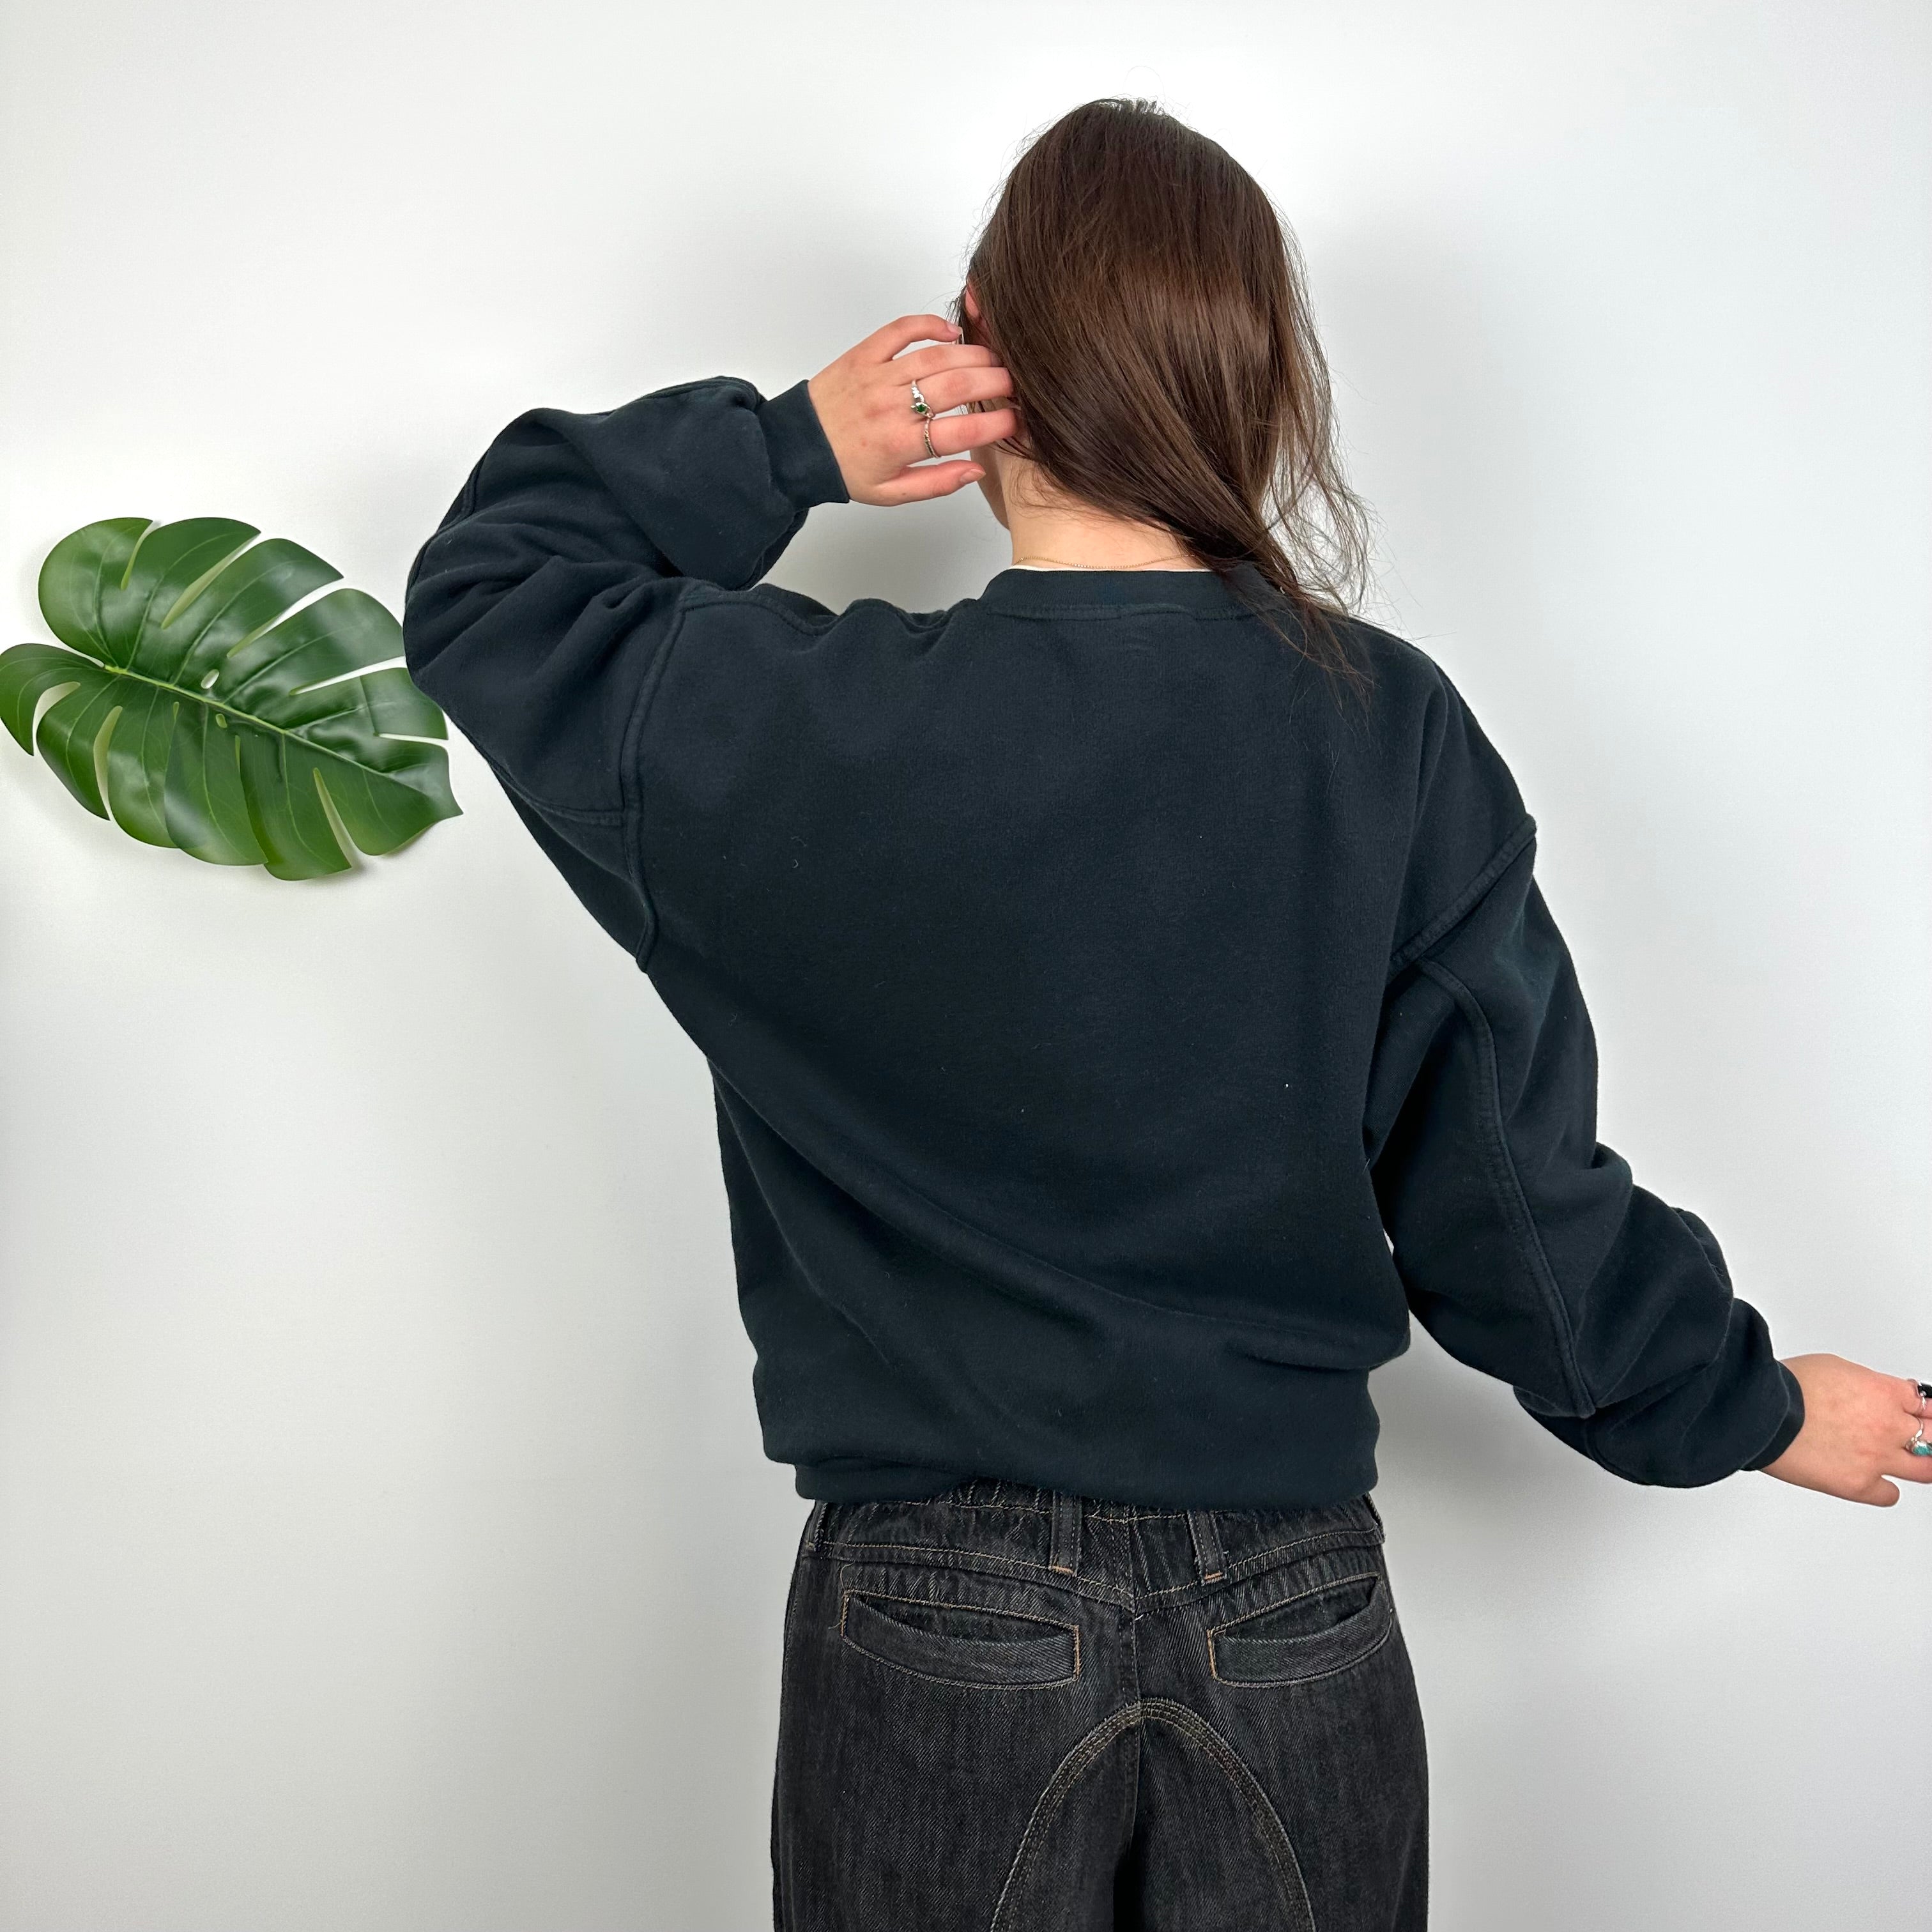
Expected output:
{"points": [[1369, 1537], [955, 1683], [1340, 1536], [1029, 1508], [1276, 1846], [837, 1545], [1282, 1602], [1069, 1769], [1321, 1541], [1205, 1536], [1312, 1676], [1275, 1841], [963, 1683], [970, 1559], [1065, 1508], [1233, 1626], [947, 1604]]}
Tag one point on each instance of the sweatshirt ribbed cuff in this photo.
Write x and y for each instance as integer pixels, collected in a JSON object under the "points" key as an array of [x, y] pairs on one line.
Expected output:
{"points": [[803, 464], [1786, 1431]]}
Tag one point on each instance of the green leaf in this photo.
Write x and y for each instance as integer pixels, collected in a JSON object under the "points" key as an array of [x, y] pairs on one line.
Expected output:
{"points": [[226, 723]]}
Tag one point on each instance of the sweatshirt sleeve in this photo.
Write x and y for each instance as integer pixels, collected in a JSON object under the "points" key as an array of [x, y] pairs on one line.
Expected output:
{"points": [[1524, 1245], [539, 613]]}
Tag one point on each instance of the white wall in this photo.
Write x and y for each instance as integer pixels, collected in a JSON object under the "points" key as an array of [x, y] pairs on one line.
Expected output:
{"points": [[384, 1537]]}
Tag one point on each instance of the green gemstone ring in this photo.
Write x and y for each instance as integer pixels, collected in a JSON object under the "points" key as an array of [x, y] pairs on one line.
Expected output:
{"points": [[920, 406]]}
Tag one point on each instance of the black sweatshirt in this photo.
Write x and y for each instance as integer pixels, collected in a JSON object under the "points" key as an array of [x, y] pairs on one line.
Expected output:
{"points": [[1115, 1034]]}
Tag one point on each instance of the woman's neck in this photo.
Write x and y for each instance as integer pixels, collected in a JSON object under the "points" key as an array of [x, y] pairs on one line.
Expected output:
{"points": [[1050, 529]]}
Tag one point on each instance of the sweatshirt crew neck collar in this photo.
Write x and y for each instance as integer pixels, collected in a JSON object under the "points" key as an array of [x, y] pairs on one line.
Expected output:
{"points": [[1061, 592]]}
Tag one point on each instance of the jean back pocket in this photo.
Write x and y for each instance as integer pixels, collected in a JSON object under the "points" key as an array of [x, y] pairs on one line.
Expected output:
{"points": [[960, 1643], [1327, 1627]]}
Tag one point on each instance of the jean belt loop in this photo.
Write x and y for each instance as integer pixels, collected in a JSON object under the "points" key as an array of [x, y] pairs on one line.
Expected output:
{"points": [[1064, 1556], [1207, 1534], [814, 1530]]}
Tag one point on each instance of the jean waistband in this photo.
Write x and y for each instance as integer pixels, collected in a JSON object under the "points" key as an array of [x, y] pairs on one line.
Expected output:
{"points": [[1114, 1545]]}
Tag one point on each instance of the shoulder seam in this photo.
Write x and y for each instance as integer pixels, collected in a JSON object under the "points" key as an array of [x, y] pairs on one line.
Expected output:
{"points": [[627, 765], [1044, 613], [1508, 1183], [1499, 862], [721, 598]]}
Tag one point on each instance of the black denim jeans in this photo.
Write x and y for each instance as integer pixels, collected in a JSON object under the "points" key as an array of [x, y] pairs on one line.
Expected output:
{"points": [[1010, 1709]]}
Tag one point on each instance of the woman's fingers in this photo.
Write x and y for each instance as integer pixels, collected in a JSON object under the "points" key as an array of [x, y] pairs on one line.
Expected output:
{"points": [[1914, 1468], [920, 481], [951, 388], [884, 344], [928, 480], [1857, 1424], [863, 401], [951, 434], [917, 365]]}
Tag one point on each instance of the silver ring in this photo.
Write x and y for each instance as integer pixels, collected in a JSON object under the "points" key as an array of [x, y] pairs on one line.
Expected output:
{"points": [[920, 406], [926, 430], [1924, 1395], [1919, 1446]]}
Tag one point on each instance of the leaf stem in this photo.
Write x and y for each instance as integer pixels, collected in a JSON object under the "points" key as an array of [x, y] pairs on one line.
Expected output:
{"points": [[262, 723]]}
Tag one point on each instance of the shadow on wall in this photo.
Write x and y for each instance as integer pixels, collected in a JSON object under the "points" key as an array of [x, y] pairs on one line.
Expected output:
{"points": [[1448, 1431]]}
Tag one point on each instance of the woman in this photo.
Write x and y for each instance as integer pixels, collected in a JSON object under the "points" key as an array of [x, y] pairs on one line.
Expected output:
{"points": [[1129, 999]]}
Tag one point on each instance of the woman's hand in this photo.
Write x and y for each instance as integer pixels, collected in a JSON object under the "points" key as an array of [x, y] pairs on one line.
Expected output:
{"points": [[864, 402], [1857, 1422]]}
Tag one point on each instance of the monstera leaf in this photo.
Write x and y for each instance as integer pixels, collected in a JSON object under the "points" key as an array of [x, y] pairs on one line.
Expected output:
{"points": [[206, 713]]}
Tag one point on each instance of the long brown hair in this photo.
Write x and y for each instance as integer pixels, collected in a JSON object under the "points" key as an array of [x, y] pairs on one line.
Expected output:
{"points": [[1149, 301]]}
